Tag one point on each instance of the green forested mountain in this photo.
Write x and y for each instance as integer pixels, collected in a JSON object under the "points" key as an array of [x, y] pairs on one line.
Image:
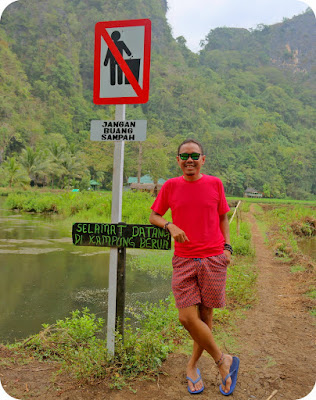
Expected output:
{"points": [[249, 96]]}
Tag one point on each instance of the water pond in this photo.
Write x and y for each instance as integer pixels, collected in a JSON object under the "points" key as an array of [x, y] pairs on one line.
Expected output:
{"points": [[43, 276]]}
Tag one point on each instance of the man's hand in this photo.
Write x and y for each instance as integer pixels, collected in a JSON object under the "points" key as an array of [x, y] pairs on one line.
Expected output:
{"points": [[228, 255], [177, 233]]}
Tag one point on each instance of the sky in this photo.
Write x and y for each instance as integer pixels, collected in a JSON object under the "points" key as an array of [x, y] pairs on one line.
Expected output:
{"points": [[193, 19]]}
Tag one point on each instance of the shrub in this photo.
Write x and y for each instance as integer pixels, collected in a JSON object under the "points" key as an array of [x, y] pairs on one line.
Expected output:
{"points": [[75, 342], [241, 243]]}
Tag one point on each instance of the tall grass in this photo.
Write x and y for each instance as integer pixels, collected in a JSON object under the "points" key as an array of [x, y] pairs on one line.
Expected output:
{"points": [[284, 227], [286, 223], [242, 242], [274, 201], [289, 215], [85, 206], [75, 342], [64, 203]]}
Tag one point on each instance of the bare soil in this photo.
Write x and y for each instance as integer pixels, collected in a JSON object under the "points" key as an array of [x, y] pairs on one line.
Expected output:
{"points": [[276, 349]]}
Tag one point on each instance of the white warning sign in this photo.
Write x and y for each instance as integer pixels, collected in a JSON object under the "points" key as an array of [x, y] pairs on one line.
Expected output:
{"points": [[132, 130]]}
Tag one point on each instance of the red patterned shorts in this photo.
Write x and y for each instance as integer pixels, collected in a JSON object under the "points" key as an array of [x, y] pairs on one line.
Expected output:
{"points": [[199, 281]]}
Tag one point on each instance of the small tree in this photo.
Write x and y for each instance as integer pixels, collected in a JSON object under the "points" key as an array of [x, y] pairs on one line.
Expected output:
{"points": [[14, 174], [36, 164]]}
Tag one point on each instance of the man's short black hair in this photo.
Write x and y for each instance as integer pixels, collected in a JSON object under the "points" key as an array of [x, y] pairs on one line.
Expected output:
{"points": [[191, 141]]}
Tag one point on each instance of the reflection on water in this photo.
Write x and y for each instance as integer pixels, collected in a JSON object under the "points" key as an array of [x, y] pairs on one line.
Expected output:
{"points": [[44, 276]]}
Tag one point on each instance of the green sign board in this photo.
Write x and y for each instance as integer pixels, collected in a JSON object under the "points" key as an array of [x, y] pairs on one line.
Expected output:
{"points": [[120, 235]]}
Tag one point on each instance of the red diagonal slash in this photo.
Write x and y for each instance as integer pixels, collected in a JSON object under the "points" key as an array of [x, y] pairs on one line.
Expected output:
{"points": [[122, 63]]}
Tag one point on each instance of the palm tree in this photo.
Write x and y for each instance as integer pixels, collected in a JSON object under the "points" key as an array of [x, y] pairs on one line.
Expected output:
{"points": [[15, 175], [36, 164], [73, 166], [56, 157]]}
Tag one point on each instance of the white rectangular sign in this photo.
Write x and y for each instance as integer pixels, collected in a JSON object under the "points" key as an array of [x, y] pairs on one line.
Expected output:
{"points": [[132, 130]]}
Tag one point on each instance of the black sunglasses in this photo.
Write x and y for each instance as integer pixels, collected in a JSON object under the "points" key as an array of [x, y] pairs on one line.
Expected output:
{"points": [[185, 156]]}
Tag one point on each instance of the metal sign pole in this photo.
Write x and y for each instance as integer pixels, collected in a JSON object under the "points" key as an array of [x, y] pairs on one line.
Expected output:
{"points": [[117, 190], [135, 36]]}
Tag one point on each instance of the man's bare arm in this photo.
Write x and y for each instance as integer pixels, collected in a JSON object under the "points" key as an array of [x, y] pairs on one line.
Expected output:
{"points": [[177, 233], [224, 227]]}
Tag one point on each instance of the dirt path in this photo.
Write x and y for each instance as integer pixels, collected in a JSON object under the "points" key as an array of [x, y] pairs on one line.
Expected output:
{"points": [[276, 342]]}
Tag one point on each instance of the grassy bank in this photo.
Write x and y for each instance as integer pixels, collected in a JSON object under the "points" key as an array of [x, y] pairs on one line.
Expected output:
{"points": [[284, 227], [277, 202], [95, 206], [75, 342], [83, 206], [77, 345]]}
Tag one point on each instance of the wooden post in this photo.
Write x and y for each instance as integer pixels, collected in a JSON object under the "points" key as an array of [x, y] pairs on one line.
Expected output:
{"points": [[122, 235], [120, 291], [238, 215], [231, 220]]}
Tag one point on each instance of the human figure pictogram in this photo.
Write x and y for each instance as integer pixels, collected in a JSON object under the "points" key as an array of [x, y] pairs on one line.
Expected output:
{"points": [[121, 46]]}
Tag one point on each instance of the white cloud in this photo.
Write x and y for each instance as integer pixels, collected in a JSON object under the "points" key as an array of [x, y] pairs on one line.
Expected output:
{"points": [[194, 20]]}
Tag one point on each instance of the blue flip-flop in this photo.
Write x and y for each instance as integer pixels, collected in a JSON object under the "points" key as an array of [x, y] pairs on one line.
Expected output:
{"points": [[233, 371], [194, 382]]}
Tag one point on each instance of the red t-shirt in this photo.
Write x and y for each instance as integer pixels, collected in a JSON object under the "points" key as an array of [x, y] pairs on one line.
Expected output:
{"points": [[195, 208]]}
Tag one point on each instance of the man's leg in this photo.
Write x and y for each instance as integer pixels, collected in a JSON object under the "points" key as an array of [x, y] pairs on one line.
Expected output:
{"points": [[206, 315], [201, 333]]}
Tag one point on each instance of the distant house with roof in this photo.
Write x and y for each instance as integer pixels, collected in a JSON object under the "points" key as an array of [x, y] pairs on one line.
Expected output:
{"points": [[251, 192], [146, 184], [94, 184]]}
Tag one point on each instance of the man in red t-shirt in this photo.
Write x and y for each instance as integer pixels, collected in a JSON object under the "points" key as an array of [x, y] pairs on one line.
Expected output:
{"points": [[200, 229]]}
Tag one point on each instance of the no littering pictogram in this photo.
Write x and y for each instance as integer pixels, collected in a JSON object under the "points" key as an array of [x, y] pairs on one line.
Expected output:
{"points": [[122, 62]]}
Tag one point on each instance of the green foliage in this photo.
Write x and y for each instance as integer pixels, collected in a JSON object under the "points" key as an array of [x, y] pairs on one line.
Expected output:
{"points": [[285, 224], [241, 283], [92, 206], [75, 342], [65, 336], [81, 326], [136, 207], [62, 75], [242, 242], [297, 268], [155, 263], [289, 215], [245, 207], [28, 202], [255, 117], [14, 174], [276, 202], [157, 333], [311, 293]]}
